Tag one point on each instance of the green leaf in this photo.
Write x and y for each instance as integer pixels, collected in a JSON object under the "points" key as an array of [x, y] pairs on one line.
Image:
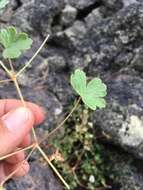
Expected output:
{"points": [[93, 102], [14, 43], [93, 93], [3, 3], [78, 81], [97, 87]]}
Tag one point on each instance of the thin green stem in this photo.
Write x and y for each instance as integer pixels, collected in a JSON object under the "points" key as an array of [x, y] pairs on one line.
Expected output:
{"points": [[68, 116], [63, 122]]}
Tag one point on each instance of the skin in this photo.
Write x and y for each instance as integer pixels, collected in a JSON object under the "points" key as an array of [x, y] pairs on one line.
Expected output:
{"points": [[9, 141]]}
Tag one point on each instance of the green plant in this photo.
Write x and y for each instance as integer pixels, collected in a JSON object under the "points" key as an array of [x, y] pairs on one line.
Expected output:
{"points": [[92, 93], [14, 44], [82, 162]]}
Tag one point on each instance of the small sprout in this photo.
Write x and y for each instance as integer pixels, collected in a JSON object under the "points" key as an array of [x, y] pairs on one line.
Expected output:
{"points": [[3, 3], [92, 93], [14, 43]]}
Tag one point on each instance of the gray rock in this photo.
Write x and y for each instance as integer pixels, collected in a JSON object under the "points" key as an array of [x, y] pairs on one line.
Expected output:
{"points": [[81, 4], [113, 4], [44, 15], [110, 7], [122, 119], [37, 15], [125, 171], [69, 14], [129, 2], [40, 177], [94, 16]]}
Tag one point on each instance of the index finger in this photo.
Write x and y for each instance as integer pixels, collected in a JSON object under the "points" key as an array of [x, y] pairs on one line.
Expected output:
{"points": [[7, 105]]}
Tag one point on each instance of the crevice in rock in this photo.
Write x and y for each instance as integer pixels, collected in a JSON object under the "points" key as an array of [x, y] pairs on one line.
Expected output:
{"points": [[56, 20], [18, 4], [84, 12]]}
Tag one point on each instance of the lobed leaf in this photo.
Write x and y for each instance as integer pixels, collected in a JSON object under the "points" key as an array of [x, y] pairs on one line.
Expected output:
{"points": [[14, 43], [92, 93], [97, 87], [78, 81]]}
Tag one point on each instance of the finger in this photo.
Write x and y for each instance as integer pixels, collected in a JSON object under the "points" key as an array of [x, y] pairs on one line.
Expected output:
{"points": [[14, 126], [8, 104], [23, 169], [20, 169], [26, 141], [15, 159], [2, 172]]}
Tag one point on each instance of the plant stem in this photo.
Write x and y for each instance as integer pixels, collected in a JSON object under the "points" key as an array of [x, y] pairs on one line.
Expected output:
{"points": [[16, 152], [11, 65], [24, 104], [6, 69], [63, 122], [33, 57], [11, 175], [6, 80], [52, 166]]}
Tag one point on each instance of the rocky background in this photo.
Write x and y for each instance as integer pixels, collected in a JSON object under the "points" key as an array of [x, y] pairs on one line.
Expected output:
{"points": [[104, 37]]}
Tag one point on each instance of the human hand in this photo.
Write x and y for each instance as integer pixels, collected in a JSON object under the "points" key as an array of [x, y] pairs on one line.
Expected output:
{"points": [[15, 125]]}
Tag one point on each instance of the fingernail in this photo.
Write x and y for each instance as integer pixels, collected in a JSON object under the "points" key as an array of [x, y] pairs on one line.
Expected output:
{"points": [[16, 119]]}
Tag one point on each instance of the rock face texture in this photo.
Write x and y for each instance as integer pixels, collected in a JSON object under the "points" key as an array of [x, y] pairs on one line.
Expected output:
{"points": [[38, 178], [104, 37]]}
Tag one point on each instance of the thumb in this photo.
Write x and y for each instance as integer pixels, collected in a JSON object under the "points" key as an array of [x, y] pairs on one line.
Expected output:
{"points": [[14, 126]]}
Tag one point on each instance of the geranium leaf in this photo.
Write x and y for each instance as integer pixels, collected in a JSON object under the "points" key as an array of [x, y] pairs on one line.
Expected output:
{"points": [[93, 102], [78, 81], [14, 43], [3, 3], [97, 88], [89, 101], [92, 93]]}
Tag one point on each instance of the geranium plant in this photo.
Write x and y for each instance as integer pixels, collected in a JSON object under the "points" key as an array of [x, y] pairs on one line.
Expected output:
{"points": [[92, 93]]}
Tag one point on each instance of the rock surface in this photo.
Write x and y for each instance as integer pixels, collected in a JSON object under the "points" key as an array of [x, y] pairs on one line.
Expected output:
{"points": [[39, 178], [127, 172], [104, 38]]}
